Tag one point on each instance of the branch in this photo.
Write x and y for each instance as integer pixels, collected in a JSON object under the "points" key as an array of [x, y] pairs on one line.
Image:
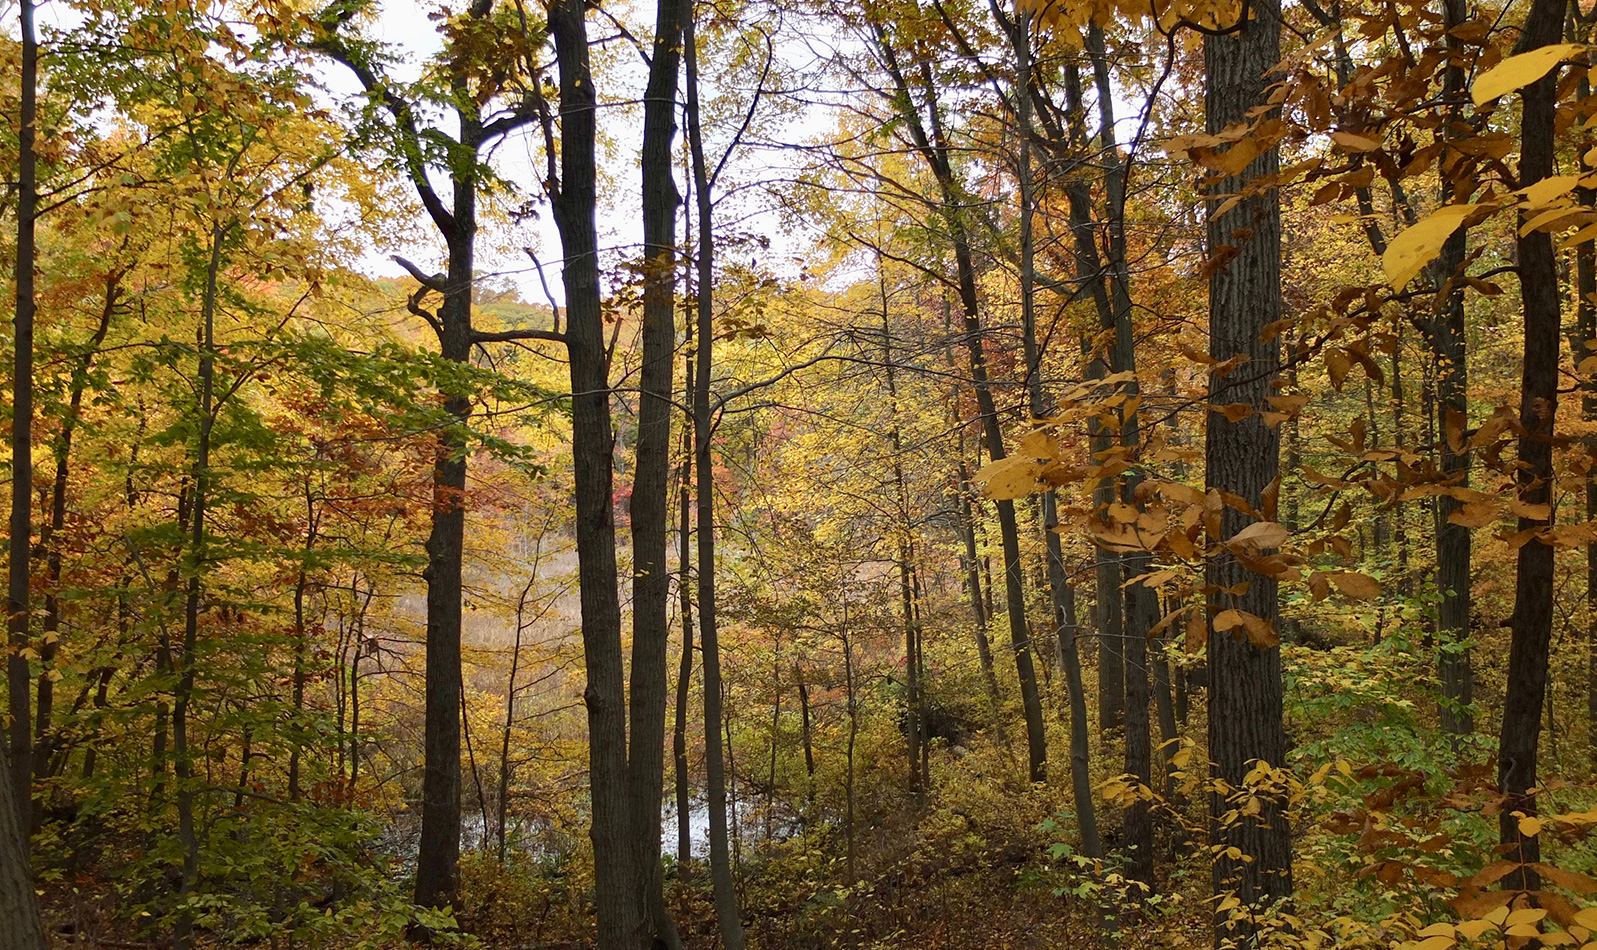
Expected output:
{"points": [[334, 47], [436, 282], [413, 304], [513, 336]]}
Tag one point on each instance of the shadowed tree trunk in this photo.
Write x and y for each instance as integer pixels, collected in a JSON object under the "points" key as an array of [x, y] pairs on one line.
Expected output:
{"points": [[574, 198], [1532, 620], [651, 580], [726, 900], [1062, 597], [1243, 457], [19, 906], [19, 675], [1452, 388]]}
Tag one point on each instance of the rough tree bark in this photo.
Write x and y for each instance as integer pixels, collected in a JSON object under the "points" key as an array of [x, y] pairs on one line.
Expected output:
{"points": [[1452, 387], [1532, 620], [1245, 688], [19, 906], [574, 199]]}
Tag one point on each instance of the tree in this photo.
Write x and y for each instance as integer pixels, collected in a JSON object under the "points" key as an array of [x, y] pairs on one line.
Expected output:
{"points": [[726, 900], [471, 88], [1242, 458], [1532, 620], [18, 599], [651, 585]]}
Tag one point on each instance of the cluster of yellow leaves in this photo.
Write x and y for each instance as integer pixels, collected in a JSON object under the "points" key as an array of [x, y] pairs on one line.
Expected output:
{"points": [[1545, 203]]}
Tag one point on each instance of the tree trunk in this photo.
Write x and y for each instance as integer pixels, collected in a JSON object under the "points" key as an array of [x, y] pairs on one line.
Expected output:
{"points": [[50, 540], [19, 905], [930, 142], [1452, 390], [19, 675], [726, 899], [679, 733], [651, 579], [1585, 346], [806, 736], [1062, 597], [1141, 611], [913, 727], [616, 891], [1532, 620], [196, 567], [1245, 688], [438, 854]]}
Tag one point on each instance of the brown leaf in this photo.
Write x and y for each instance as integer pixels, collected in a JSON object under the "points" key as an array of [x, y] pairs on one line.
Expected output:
{"points": [[1319, 586], [1356, 585]]}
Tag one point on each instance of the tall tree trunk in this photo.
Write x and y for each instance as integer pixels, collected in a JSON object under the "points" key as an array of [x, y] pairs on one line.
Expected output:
{"points": [[679, 733], [913, 727], [1245, 688], [1452, 390], [852, 696], [806, 737], [1141, 612], [1062, 597], [50, 538], [19, 675], [301, 585], [651, 578], [1532, 620], [726, 899], [195, 567], [1585, 346], [501, 823], [616, 891], [933, 147], [1110, 604], [19, 906], [438, 854]]}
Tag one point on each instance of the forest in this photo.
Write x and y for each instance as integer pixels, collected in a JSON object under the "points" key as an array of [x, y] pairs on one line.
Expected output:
{"points": [[799, 474]]}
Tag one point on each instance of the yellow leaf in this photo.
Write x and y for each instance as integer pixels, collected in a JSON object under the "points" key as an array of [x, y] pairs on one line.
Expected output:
{"points": [[1434, 943], [1524, 915], [1319, 586], [1474, 515], [1038, 444], [1355, 143], [1525, 509], [1437, 930], [1472, 929], [1518, 71], [1530, 826], [1534, 196], [1417, 246], [1008, 478]]}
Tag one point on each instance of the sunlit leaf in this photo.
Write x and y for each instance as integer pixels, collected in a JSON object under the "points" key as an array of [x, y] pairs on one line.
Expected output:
{"points": [[1409, 252], [1518, 71]]}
